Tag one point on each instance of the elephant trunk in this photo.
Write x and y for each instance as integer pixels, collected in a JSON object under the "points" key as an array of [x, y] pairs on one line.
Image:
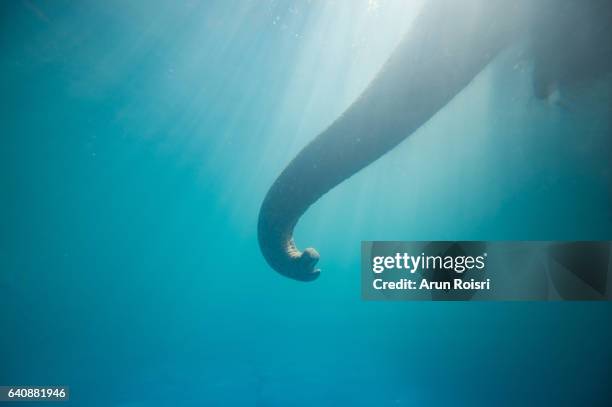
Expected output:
{"points": [[450, 43]]}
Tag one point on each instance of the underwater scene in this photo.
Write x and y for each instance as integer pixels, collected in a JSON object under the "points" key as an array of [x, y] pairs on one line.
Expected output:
{"points": [[139, 140]]}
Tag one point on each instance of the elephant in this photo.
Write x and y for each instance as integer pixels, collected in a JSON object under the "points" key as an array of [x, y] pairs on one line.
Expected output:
{"points": [[448, 45]]}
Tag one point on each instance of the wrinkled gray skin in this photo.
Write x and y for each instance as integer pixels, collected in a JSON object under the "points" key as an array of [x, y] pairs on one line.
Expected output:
{"points": [[449, 44]]}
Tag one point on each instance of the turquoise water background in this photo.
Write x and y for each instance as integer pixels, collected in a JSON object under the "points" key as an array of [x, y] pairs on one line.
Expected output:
{"points": [[138, 141]]}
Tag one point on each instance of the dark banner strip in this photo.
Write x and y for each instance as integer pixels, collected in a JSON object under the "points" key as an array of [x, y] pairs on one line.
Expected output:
{"points": [[486, 271]]}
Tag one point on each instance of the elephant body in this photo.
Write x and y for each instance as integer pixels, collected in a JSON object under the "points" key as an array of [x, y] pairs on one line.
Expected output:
{"points": [[449, 44]]}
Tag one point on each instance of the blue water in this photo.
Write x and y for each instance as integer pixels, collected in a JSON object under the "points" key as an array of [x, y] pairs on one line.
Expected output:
{"points": [[138, 140]]}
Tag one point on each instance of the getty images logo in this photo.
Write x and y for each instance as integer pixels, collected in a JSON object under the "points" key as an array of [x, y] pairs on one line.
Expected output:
{"points": [[454, 259]]}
